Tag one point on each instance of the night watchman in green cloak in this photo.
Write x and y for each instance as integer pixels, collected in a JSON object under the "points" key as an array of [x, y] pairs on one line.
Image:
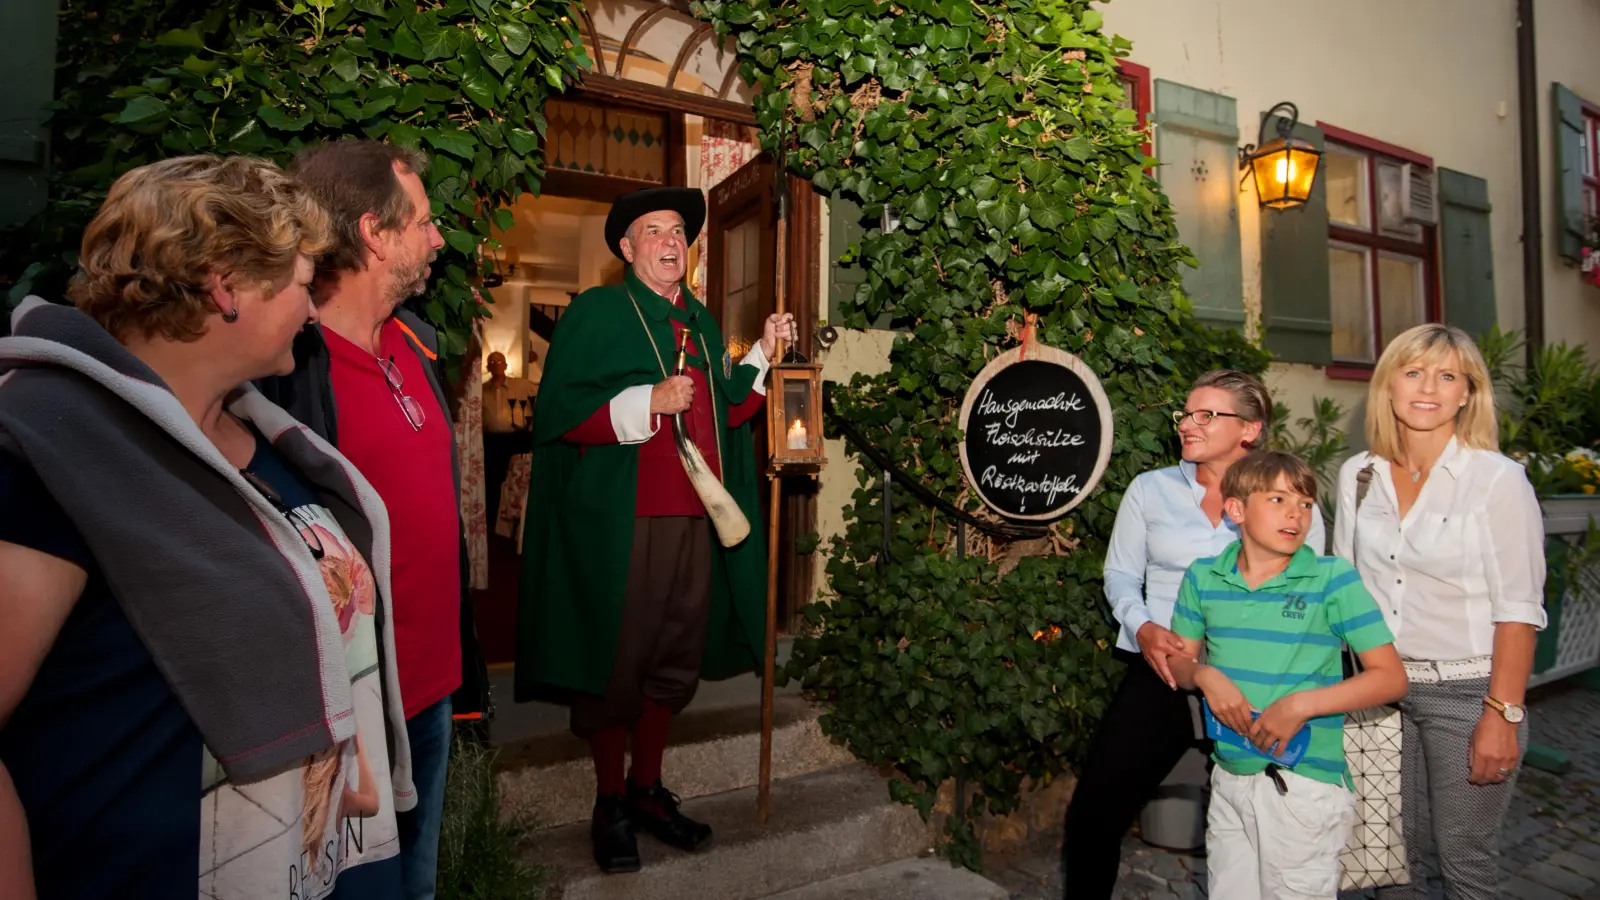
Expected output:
{"points": [[628, 598]]}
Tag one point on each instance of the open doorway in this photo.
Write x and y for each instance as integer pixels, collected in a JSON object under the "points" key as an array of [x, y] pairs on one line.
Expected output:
{"points": [[616, 134]]}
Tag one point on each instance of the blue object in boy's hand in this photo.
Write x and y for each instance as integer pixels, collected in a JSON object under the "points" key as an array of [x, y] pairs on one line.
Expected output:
{"points": [[1288, 757]]}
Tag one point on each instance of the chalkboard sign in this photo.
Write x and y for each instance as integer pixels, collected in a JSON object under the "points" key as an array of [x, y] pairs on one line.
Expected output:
{"points": [[1037, 433]]}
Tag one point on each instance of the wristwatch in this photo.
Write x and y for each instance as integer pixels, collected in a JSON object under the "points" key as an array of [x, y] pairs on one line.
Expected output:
{"points": [[1511, 712]]}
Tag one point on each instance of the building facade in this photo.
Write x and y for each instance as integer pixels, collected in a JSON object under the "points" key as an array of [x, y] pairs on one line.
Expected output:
{"points": [[1418, 211]]}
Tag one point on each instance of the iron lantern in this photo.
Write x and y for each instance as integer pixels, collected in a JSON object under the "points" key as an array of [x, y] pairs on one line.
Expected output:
{"points": [[794, 416], [1285, 168]]}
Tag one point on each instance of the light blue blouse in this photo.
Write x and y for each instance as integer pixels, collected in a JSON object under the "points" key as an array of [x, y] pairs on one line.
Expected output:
{"points": [[1160, 531]]}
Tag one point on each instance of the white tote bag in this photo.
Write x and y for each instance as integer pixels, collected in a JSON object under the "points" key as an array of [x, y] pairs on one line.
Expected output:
{"points": [[1376, 853]]}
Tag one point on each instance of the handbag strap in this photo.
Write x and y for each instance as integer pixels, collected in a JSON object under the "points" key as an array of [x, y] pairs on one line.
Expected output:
{"points": [[1352, 662]]}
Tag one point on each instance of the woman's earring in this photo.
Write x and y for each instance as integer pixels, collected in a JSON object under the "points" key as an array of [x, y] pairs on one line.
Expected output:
{"points": [[230, 315]]}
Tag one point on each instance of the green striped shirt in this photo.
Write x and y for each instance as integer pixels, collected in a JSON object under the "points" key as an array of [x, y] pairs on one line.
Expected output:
{"points": [[1281, 637]]}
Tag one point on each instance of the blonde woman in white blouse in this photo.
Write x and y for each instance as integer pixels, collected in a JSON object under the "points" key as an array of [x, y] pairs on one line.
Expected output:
{"points": [[1449, 540]]}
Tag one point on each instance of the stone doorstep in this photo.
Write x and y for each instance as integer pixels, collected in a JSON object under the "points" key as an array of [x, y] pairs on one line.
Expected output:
{"points": [[907, 879], [824, 825], [550, 781]]}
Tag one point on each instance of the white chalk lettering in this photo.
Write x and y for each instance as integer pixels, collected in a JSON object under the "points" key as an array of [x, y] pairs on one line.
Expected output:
{"points": [[1010, 409], [1033, 437], [1023, 459], [1048, 485]]}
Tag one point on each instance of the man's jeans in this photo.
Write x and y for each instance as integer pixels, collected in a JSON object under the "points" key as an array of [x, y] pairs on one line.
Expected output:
{"points": [[430, 732]]}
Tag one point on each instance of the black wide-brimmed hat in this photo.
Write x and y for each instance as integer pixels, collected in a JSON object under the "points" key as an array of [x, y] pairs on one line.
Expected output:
{"points": [[686, 202]]}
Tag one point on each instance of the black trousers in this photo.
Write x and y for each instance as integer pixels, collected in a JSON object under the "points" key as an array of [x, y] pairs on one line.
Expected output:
{"points": [[1145, 732]]}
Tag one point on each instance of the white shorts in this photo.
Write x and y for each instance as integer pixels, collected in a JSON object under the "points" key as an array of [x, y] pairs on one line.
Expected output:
{"points": [[1263, 845]]}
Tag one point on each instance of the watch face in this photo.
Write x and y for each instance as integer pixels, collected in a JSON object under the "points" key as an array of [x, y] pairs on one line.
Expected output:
{"points": [[1513, 713]]}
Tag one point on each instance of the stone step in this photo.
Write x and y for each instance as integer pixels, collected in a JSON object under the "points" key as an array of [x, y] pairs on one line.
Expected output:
{"points": [[549, 780], [824, 825], [907, 879]]}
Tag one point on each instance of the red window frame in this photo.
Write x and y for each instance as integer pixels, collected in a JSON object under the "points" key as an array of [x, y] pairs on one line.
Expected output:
{"points": [[1136, 82], [1426, 248]]}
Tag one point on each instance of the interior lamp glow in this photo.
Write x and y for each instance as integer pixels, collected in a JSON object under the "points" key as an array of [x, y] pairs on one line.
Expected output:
{"points": [[1285, 168]]}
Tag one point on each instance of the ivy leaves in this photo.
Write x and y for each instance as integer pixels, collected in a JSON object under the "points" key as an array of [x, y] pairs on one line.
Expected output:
{"points": [[995, 131], [465, 80]]}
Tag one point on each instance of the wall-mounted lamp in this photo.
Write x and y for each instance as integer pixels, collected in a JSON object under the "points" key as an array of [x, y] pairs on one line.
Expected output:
{"points": [[1285, 168]]}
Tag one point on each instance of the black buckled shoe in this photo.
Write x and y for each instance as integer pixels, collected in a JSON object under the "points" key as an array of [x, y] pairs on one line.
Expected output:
{"points": [[615, 848], [655, 809]]}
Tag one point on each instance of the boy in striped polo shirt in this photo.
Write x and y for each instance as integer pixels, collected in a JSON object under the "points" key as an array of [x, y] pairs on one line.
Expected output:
{"points": [[1273, 617]]}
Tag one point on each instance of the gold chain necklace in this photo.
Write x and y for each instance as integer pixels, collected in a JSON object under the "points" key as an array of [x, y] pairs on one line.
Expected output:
{"points": [[716, 432]]}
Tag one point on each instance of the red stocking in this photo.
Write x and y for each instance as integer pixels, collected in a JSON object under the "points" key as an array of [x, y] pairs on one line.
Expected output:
{"points": [[608, 747], [649, 743]]}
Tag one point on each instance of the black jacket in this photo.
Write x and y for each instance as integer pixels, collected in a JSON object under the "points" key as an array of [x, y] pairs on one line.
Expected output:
{"points": [[308, 396]]}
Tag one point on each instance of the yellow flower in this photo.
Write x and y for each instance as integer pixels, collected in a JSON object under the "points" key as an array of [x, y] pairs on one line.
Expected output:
{"points": [[1588, 489]]}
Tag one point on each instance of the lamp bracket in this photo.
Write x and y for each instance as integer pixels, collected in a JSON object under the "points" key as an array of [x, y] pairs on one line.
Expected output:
{"points": [[1285, 129]]}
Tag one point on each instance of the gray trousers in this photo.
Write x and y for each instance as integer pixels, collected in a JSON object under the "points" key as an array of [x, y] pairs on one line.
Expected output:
{"points": [[1452, 827]]}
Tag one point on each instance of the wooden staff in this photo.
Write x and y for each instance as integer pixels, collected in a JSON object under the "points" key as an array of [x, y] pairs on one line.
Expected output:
{"points": [[768, 664]]}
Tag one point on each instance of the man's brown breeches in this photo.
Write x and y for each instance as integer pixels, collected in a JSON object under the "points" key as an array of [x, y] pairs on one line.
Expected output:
{"points": [[663, 633]]}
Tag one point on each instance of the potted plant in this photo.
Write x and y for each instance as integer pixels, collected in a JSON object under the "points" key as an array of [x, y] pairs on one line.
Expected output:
{"points": [[1550, 421]]}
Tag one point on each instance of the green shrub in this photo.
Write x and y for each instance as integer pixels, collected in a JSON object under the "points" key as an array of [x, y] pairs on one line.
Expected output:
{"points": [[996, 131]]}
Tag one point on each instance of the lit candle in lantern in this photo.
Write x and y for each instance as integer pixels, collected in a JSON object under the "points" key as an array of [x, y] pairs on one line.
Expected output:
{"points": [[797, 435]]}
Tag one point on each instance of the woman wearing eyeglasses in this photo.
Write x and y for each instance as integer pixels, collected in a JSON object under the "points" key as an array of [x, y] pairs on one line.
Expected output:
{"points": [[1168, 518], [195, 588]]}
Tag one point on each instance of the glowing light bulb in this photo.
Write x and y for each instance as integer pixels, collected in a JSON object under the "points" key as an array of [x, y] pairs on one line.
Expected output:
{"points": [[1285, 170]]}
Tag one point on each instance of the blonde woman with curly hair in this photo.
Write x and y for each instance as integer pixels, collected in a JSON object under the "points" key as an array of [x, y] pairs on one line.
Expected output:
{"points": [[173, 657], [1448, 537]]}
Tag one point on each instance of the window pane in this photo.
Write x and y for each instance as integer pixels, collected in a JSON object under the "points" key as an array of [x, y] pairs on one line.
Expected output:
{"points": [[1586, 140], [1400, 294], [1346, 177], [1392, 202], [1130, 91], [1351, 286]]}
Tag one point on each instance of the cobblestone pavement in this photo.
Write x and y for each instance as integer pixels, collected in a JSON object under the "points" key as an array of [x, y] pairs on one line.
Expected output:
{"points": [[1551, 844]]}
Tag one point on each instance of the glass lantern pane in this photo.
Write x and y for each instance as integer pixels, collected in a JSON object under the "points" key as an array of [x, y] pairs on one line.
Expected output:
{"points": [[797, 413]]}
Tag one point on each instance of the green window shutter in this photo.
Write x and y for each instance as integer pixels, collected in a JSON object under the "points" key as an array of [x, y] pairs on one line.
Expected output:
{"points": [[28, 71], [845, 233], [1569, 173], [1466, 254], [1295, 293], [1197, 137]]}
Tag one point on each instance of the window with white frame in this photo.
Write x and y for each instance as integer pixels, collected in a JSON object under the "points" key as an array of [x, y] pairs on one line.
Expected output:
{"points": [[1380, 261]]}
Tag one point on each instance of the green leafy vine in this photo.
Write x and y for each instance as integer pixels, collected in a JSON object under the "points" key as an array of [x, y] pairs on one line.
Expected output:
{"points": [[465, 80], [996, 132]]}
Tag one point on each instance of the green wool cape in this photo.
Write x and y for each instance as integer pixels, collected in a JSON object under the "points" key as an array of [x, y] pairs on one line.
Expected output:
{"points": [[578, 536]]}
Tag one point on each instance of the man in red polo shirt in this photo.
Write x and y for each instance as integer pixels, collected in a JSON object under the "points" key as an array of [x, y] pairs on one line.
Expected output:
{"points": [[628, 596], [366, 380]]}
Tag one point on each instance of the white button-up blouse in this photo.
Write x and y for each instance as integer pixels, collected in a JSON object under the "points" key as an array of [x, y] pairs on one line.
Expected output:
{"points": [[1160, 531], [1468, 554]]}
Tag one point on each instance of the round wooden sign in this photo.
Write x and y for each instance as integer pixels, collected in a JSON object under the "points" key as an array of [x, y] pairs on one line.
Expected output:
{"points": [[1037, 433]]}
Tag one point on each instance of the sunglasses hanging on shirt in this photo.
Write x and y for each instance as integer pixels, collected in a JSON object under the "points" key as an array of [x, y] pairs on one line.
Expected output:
{"points": [[299, 524]]}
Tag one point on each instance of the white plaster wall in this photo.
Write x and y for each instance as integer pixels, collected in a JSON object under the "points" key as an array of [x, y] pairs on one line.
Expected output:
{"points": [[507, 327], [1568, 36]]}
